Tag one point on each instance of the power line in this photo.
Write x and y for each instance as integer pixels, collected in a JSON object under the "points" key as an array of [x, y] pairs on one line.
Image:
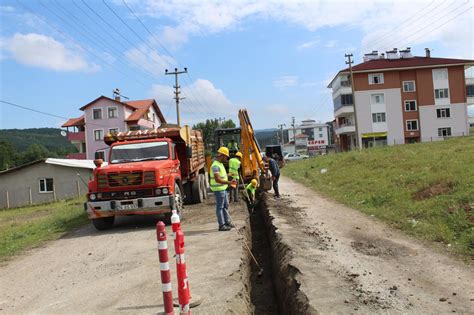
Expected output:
{"points": [[438, 19], [168, 52], [387, 34]]}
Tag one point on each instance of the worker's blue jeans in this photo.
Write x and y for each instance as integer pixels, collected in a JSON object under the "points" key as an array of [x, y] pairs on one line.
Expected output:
{"points": [[222, 206]]}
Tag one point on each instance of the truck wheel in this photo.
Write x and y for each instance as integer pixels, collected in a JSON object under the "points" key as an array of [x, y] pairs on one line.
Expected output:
{"points": [[203, 186], [196, 190], [178, 199], [103, 223]]}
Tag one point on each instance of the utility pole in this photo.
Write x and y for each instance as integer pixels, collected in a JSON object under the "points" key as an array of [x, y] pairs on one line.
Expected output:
{"points": [[350, 62], [294, 131], [176, 73], [281, 133], [221, 120]]}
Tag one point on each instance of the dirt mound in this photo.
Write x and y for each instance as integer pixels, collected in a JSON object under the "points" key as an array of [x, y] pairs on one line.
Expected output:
{"points": [[433, 190]]}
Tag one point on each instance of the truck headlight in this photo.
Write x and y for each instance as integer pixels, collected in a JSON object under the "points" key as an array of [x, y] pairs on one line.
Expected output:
{"points": [[92, 197], [158, 191], [165, 191]]}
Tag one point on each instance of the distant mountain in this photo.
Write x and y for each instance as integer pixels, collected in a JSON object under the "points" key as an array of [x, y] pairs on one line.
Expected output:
{"points": [[266, 137], [50, 138]]}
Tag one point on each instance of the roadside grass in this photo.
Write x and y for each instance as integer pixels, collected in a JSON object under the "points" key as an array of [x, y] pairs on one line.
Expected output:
{"points": [[424, 189], [27, 227]]}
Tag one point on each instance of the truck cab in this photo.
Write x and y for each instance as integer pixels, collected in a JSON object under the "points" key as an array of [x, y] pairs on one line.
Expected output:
{"points": [[144, 175]]}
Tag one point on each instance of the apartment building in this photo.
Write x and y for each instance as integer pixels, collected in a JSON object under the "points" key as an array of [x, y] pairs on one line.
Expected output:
{"points": [[106, 115], [400, 98], [309, 137]]}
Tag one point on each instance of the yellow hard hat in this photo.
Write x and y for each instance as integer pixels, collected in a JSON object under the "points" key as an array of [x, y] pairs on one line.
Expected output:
{"points": [[253, 182], [223, 151], [238, 154]]}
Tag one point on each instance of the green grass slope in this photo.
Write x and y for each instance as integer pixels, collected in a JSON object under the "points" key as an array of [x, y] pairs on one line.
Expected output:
{"points": [[425, 189]]}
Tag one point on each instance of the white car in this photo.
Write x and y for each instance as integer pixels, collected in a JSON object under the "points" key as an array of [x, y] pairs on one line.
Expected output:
{"points": [[295, 157]]}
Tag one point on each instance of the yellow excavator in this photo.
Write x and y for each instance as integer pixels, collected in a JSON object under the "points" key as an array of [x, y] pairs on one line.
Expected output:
{"points": [[253, 166]]}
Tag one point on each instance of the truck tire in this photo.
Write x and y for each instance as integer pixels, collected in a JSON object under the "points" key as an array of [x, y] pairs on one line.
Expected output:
{"points": [[103, 223], [203, 185], [188, 199], [196, 190]]}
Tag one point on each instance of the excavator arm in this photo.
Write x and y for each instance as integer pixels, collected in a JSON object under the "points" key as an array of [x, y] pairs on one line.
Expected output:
{"points": [[252, 163]]}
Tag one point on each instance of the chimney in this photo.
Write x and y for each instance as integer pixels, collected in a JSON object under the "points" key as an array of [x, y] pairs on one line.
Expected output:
{"points": [[116, 94], [392, 54], [428, 53], [406, 53]]}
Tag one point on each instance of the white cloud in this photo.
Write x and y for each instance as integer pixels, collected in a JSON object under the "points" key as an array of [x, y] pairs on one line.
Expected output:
{"points": [[308, 44], [374, 18], [202, 99], [285, 81], [45, 52], [331, 43], [277, 110], [6, 9]]}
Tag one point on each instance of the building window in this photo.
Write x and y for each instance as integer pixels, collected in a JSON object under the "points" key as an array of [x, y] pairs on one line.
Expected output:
{"points": [[440, 74], [410, 106], [98, 134], [443, 112], [470, 90], [409, 86], [444, 132], [376, 78], [112, 112], [46, 185], [113, 131], [412, 125], [97, 113], [320, 129], [377, 98], [378, 117], [441, 93], [100, 155], [154, 117], [346, 99]]}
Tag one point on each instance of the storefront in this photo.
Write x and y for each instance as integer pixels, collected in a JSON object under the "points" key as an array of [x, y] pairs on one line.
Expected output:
{"points": [[374, 139]]}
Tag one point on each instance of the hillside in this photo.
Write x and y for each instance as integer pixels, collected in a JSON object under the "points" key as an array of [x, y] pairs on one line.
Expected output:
{"points": [[266, 137], [425, 189], [23, 138]]}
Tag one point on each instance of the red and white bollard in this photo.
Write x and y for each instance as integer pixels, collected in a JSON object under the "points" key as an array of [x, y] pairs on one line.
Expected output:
{"points": [[183, 287], [175, 222], [164, 268]]}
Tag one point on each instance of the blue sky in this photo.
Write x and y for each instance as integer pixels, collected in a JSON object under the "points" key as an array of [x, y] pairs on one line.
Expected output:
{"points": [[274, 58]]}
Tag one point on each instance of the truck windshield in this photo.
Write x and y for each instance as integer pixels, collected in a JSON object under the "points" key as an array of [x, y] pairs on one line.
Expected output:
{"points": [[136, 152]]}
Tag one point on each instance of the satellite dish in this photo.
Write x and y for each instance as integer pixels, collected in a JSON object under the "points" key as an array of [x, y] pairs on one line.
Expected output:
{"points": [[63, 133]]}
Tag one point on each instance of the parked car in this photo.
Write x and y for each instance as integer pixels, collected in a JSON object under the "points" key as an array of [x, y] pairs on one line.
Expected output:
{"points": [[295, 157]]}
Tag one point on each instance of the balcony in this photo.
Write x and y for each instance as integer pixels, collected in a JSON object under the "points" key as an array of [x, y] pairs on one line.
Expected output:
{"points": [[344, 129], [79, 136], [343, 110], [77, 156]]}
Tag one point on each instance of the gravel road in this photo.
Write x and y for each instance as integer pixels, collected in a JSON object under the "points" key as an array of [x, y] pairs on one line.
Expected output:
{"points": [[117, 271], [352, 263]]}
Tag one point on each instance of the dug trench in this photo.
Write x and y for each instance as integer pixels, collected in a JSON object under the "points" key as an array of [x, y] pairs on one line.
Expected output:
{"points": [[274, 283]]}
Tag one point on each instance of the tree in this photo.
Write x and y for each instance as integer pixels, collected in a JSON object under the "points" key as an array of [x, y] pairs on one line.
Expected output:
{"points": [[36, 152], [8, 156], [208, 129]]}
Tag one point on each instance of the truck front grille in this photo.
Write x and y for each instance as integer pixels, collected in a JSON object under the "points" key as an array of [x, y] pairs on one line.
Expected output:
{"points": [[122, 179]]}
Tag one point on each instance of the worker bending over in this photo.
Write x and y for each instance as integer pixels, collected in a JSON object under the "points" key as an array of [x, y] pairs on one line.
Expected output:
{"points": [[219, 184], [234, 170], [251, 193]]}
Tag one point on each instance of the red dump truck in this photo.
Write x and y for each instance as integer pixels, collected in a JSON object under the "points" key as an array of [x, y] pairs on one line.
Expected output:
{"points": [[148, 172]]}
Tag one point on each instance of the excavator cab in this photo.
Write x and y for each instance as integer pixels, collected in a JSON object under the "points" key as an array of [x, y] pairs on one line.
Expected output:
{"points": [[230, 138]]}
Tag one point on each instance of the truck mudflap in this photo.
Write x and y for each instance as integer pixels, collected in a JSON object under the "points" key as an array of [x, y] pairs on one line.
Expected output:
{"points": [[151, 205]]}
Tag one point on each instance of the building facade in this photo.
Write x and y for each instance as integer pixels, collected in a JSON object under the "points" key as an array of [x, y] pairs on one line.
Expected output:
{"points": [[105, 115], [44, 181], [400, 99], [309, 137]]}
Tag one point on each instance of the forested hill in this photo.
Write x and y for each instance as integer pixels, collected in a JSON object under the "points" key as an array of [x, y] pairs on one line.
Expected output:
{"points": [[21, 139]]}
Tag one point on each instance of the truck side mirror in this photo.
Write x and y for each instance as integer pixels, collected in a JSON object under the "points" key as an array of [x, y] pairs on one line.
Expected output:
{"points": [[189, 151]]}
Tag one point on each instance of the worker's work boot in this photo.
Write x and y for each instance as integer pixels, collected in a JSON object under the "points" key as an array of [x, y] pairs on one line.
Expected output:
{"points": [[231, 225], [224, 228]]}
